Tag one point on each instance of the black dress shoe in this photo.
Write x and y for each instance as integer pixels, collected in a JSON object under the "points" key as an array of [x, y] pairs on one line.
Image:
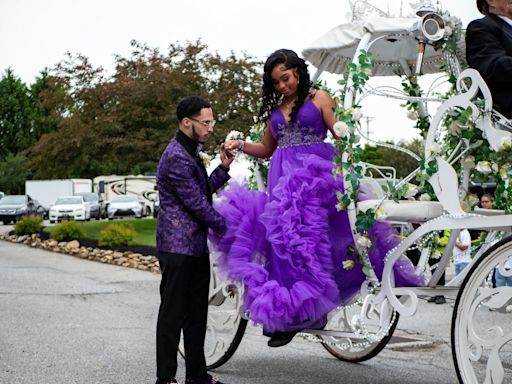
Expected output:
{"points": [[166, 381], [440, 299], [280, 339], [207, 379]]}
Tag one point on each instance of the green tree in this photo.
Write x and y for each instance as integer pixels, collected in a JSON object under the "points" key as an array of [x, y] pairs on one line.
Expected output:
{"points": [[13, 173], [17, 112], [51, 103], [121, 124]]}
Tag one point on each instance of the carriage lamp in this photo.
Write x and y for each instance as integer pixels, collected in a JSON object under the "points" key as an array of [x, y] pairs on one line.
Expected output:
{"points": [[429, 29]]}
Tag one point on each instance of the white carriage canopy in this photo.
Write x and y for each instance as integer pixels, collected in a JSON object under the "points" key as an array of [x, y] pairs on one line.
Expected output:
{"points": [[395, 50]]}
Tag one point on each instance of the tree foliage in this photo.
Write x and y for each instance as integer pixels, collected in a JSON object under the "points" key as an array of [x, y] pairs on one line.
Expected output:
{"points": [[50, 102], [402, 162], [13, 173], [17, 111], [122, 123]]}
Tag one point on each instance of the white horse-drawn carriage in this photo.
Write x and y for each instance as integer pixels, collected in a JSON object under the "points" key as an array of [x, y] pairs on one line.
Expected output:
{"points": [[481, 329]]}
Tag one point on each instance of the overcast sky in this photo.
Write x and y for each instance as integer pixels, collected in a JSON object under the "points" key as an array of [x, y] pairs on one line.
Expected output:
{"points": [[35, 34]]}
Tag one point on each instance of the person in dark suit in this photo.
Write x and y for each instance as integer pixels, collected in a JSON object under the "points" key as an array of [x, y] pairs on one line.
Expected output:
{"points": [[186, 214], [489, 50]]}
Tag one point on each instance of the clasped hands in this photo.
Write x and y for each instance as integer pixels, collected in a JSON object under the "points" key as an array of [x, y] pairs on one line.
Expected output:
{"points": [[228, 151]]}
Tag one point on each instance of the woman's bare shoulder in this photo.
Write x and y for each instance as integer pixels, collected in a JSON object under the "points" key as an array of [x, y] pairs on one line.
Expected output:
{"points": [[321, 97]]}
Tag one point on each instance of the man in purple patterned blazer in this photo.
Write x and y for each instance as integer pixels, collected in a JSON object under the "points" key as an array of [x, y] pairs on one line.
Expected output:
{"points": [[186, 213]]}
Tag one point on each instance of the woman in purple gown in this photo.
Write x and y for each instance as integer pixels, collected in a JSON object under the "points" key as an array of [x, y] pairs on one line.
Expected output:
{"points": [[288, 245]]}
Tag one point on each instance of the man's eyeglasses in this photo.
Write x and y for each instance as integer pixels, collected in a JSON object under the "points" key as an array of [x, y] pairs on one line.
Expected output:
{"points": [[207, 123]]}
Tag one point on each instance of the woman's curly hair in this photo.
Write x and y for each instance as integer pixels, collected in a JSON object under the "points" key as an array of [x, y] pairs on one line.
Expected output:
{"points": [[271, 97]]}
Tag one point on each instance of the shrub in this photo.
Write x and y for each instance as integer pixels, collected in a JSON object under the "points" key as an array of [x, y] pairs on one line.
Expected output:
{"points": [[67, 230], [28, 225], [116, 234]]}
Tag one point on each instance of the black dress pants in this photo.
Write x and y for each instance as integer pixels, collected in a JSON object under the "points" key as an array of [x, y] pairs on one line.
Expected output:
{"points": [[184, 305]]}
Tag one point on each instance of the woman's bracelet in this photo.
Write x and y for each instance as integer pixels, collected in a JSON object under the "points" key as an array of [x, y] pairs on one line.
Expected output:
{"points": [[241, 145]]}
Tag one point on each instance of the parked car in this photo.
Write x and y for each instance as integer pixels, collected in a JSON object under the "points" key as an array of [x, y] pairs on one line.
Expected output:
{"points": [[156, 206], [13, 207], [127, 206], [96, 206], [41, 210], [69, 207]]}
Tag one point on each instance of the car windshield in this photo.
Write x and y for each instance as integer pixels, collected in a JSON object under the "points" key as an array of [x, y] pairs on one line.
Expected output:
{"points": [[68, 200], [124, 199], [13, 199], [90, 197]]}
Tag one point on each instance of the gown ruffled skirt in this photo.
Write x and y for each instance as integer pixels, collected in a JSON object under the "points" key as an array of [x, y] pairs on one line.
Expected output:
{"points": [[288, 246]]}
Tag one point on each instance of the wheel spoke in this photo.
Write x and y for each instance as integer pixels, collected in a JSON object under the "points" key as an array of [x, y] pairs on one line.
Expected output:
{"points": [[482, 322]]}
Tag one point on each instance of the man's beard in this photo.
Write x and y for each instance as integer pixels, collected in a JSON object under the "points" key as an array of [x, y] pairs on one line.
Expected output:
{"points": [[195, 135]]}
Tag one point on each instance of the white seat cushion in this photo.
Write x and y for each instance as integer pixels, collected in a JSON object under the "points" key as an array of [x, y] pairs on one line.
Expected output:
{"points": [[489, 212], [405, 210]]}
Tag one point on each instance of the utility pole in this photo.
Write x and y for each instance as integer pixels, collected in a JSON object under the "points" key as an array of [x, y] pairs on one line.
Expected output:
{"points": [[368, 119]]}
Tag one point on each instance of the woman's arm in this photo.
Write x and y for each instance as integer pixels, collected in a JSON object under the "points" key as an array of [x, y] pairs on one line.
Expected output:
{"points": [[326, 104], [262, 150], [461, 246]]}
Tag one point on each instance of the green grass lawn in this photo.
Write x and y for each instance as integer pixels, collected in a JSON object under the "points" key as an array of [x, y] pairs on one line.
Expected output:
{"points": [[145, 229]]}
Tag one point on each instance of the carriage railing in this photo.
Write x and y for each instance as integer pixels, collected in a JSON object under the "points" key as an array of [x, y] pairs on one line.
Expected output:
{"points": [[445, 181]]}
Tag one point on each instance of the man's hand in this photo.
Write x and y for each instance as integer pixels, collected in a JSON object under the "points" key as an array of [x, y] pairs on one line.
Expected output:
{"points": [[232, 146], [226, 157]]}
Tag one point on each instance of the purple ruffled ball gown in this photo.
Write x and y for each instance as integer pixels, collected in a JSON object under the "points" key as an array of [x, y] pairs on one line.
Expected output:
{"points": [[287, 246]]}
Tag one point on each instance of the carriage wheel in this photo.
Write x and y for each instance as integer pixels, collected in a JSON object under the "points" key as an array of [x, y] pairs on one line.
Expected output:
{"points": [[225, 327], [481, 331], [355, 350]]}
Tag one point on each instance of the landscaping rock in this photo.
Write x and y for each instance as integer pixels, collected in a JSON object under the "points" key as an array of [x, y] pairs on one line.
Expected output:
{"points": [[73, 248]]}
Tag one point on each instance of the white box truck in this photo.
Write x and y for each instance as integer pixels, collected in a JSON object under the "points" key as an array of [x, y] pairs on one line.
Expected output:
{"points": [[47, 191]]}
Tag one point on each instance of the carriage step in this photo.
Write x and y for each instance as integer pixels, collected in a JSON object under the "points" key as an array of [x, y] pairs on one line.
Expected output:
{"points": [[326, 332]]}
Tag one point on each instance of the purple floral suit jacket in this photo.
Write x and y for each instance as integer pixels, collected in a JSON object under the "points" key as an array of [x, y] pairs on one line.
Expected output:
{"points": [[185, 193]]}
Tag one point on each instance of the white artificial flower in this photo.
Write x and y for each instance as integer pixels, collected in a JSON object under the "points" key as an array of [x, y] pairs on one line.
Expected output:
{"points": [[433, 150], [454, 129], [341, 129], [205, 158], [357, 116], [473, 199], [503, 173], [363, 241], [448, 31], [380, 215], [495, 167], [425, 197], [235, 135], [454, 20], [366, 71], [469, 162], [505, 143], [412, 190], [413, 115], [340, 207], [484, 167], [348, 264]]}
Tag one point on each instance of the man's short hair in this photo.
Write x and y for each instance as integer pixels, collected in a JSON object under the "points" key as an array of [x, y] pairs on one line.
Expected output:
{"points": [[482, 6], [191, 106]]}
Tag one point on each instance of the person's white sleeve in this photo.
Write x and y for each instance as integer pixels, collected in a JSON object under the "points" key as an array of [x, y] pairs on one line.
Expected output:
{"points": [[465, 238]]}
